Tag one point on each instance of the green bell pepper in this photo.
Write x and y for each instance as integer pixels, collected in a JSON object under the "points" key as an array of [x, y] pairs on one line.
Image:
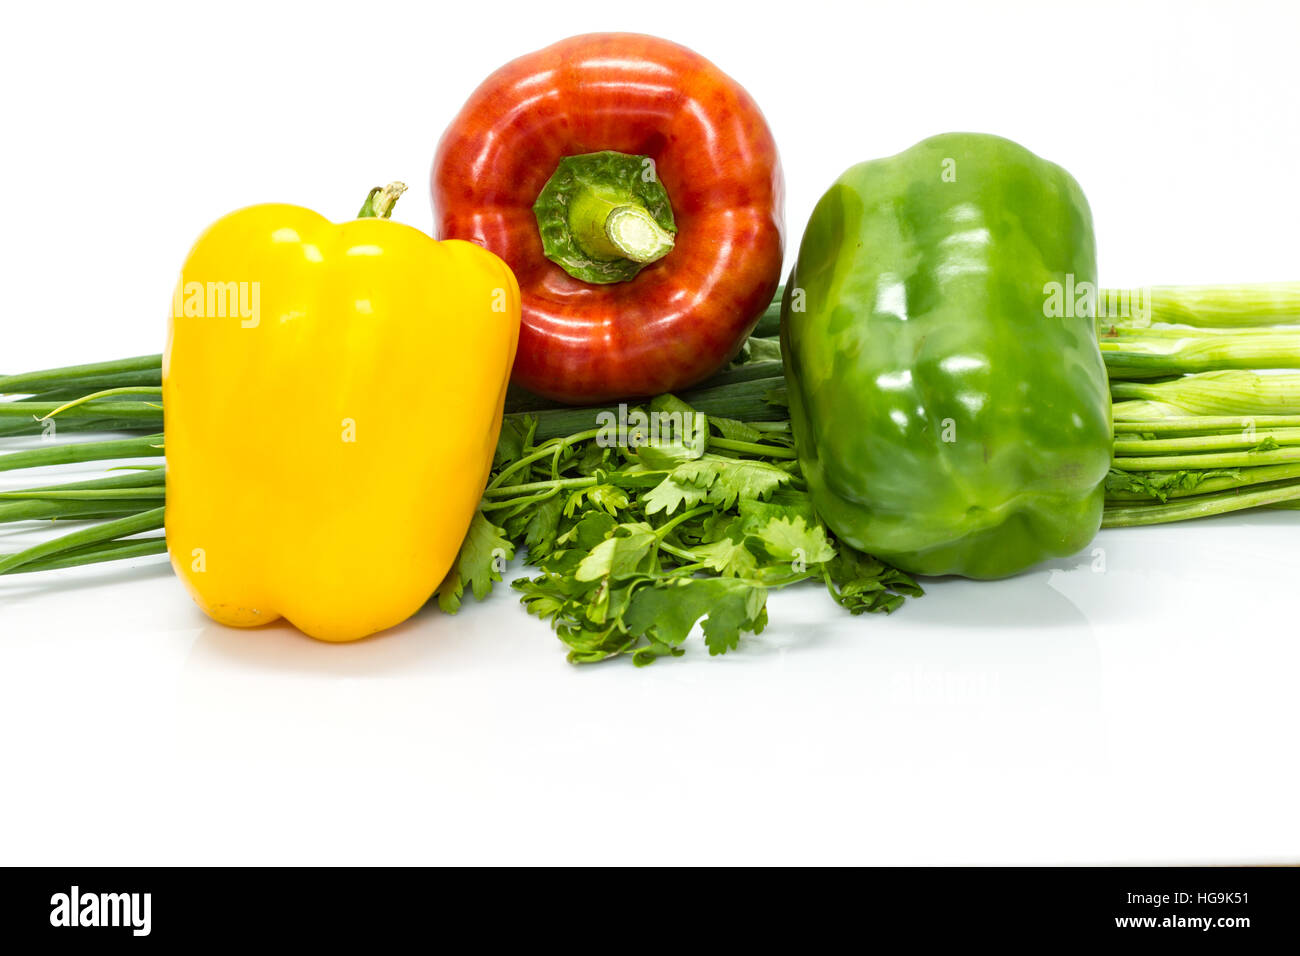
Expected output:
{"points": [[948, 417]]}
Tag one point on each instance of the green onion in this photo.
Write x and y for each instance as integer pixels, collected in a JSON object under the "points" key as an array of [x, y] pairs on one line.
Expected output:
{"points": [[141, 370], [38, 510], [745, 400], [1200, 506], [1203, 482], [95, 554], [1204, 424], [1243, 459], [1218, 393], [1154, 355], [108, 531], [125, 411], [107, 494], [62, 454], [1212, 306], [1244, 441]]}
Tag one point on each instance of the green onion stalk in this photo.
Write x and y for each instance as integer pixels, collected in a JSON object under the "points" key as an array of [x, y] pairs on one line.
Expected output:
{"points": [[1198, 430], [1206, 404]]}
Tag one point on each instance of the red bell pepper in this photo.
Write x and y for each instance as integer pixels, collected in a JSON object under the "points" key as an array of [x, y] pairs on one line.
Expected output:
{"points": [[635, 191]]}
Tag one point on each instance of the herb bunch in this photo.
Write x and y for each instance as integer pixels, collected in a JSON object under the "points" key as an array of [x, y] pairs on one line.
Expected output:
{"points": [[636, 541]]}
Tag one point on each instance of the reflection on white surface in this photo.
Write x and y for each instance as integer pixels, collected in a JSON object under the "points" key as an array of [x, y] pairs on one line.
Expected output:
{"points": [[1068, 714]]}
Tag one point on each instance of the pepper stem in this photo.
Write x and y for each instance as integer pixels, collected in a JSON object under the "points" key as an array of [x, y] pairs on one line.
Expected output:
{"points": [[607, 229], [380, 201], [603, 217]]}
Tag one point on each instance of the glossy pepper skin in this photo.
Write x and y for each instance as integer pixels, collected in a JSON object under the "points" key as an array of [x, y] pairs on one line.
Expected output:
{"points": [[686, 315], [944, 422], [325, 455]]}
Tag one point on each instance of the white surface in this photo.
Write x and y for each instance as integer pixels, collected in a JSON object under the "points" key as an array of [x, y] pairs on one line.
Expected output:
{"points": [[1147, 713]]}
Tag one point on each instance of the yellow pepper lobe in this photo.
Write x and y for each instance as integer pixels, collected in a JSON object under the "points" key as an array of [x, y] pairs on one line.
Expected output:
{"points": [[333, 395]]}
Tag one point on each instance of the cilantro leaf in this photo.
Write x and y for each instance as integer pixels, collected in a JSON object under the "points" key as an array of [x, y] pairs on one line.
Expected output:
{"points": [[516, 433], [867, 584], [670, 494], [667, 613], [608, 498], [716, 480], [542, 528], [730, 479], [792, 540], [727, 557], [483, 556], [680, 434], [616, 557]]}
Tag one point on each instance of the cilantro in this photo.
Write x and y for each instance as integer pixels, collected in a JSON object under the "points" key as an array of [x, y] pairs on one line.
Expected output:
{"points": [[665, 614], [483, 556], [791, 539], [727, 557], [616, 557], [716, 480], [670, 494], [635, 547]]}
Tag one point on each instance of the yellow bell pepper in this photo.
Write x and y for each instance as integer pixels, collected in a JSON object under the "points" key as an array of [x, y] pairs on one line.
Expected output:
{"points": [[333, 396]]}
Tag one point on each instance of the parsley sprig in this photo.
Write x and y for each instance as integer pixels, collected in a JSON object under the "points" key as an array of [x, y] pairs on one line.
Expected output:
{"points": [[638, 536]]}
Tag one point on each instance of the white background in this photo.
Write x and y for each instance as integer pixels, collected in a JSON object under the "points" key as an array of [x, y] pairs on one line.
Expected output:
{"points": [[1145, 713]]}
